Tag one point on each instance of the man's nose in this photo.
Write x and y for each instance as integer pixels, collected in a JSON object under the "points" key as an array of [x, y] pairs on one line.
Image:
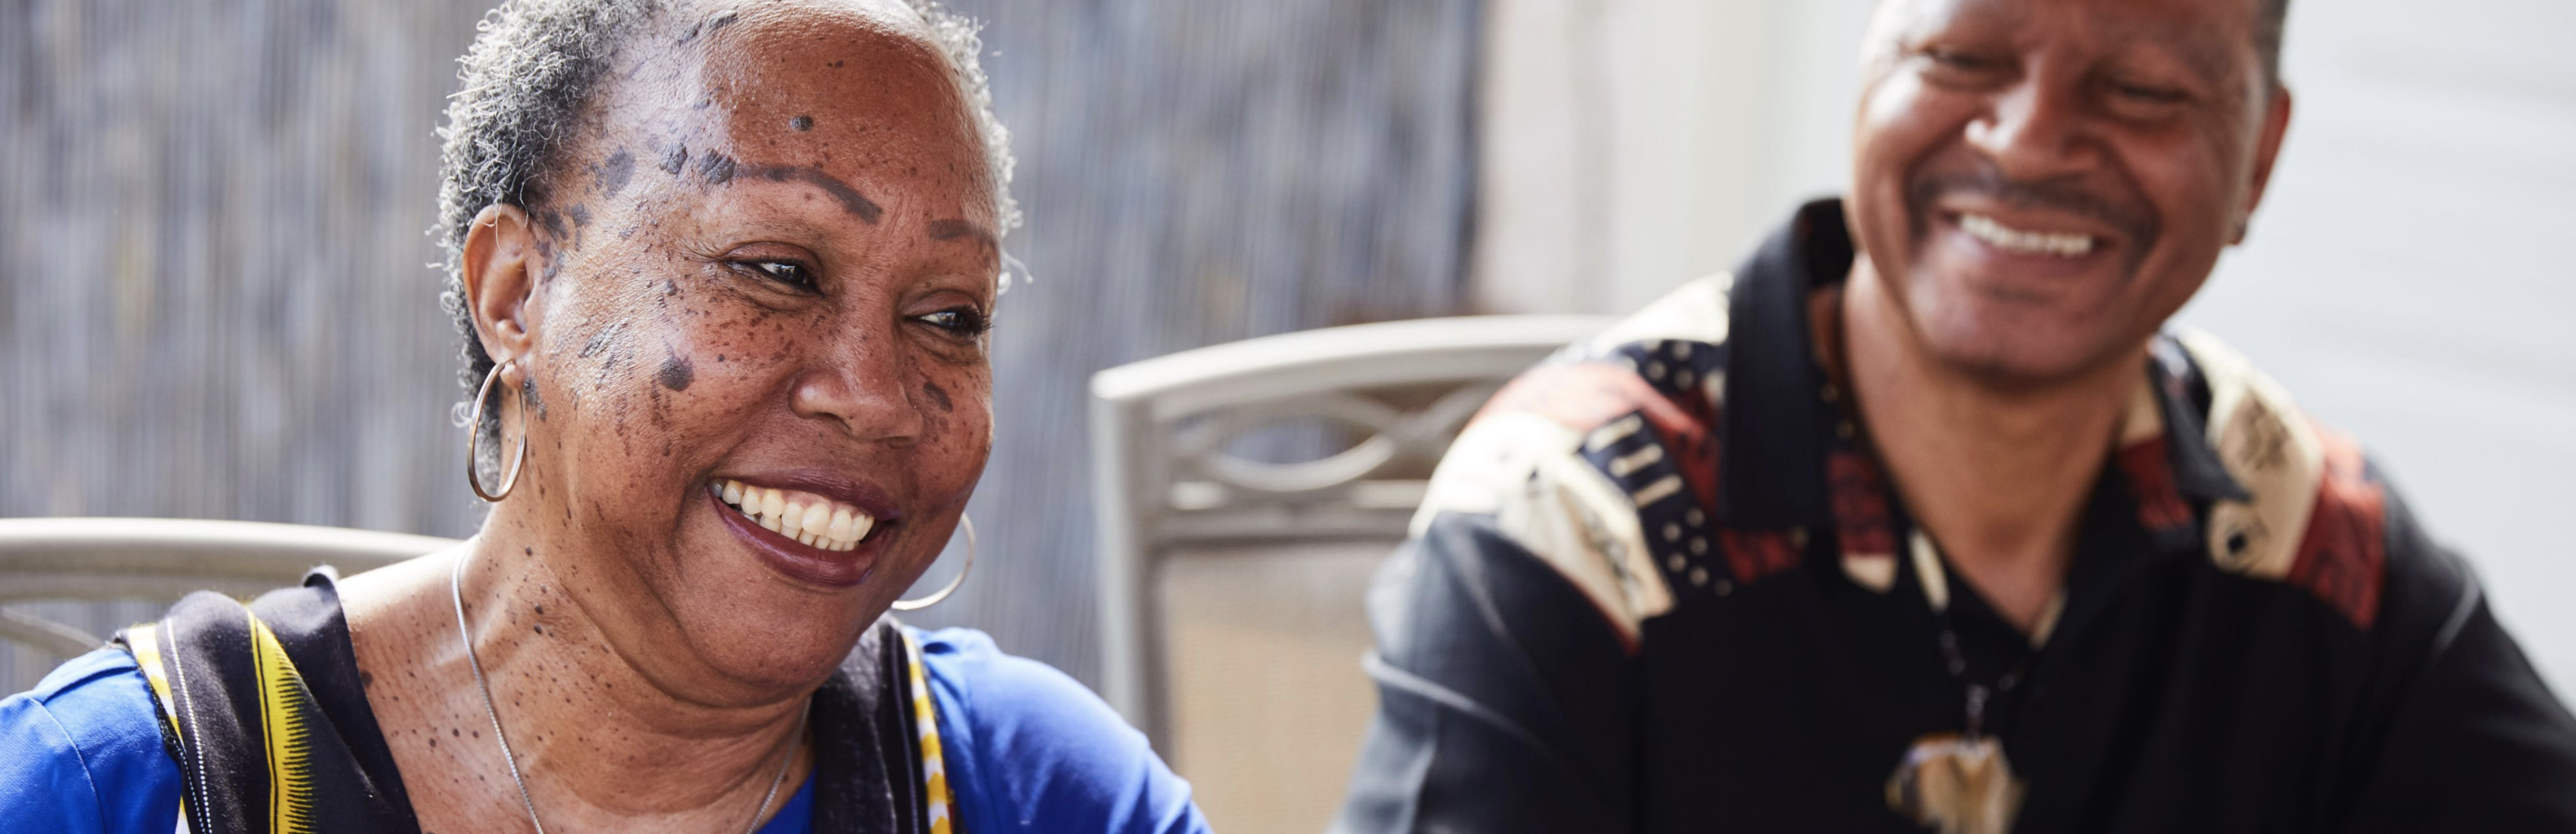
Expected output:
{"points": [[2034, 130]]}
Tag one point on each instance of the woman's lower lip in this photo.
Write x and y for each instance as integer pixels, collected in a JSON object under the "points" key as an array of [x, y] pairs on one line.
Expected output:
{"points": [[837, 569]]}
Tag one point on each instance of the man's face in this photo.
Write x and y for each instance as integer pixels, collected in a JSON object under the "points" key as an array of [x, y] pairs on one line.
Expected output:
{"points": [[2041, 183]]}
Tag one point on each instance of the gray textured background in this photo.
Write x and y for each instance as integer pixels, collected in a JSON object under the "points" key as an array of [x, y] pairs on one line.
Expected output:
{"points": [[215, 298]]}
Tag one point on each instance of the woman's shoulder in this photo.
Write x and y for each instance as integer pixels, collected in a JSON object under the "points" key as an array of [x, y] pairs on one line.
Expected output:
{"points": [[85, 752], [1030, 748]]}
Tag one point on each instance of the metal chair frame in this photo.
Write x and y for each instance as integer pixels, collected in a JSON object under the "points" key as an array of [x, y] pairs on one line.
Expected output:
{"points": [[1163, 478], [166, 558]]}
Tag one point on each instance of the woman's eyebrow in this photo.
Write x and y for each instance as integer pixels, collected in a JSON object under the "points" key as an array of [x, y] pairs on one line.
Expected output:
{"points": [[954, 229], [858, 205]]}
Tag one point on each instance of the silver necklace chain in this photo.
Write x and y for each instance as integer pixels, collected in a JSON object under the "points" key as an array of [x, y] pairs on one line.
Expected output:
{"points": [[456, 594]]}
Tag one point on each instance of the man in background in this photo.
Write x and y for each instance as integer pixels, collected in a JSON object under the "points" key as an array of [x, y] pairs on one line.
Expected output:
{"points": [[1919, 521]]}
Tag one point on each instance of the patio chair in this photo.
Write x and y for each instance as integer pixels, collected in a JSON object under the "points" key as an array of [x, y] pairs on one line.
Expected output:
{"points": [[66, 582], [1230, 586]]}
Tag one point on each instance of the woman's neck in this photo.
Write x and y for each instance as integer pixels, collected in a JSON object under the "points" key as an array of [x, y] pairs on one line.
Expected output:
{"points": [[601, 744], [1997, 477]]}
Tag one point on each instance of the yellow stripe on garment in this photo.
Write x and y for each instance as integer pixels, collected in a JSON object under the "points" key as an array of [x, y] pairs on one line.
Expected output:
{"points": [[145, 641], [934, 772], [285, 710]]}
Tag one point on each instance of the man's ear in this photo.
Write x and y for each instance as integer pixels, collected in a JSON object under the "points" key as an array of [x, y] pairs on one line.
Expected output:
{"points": [[2276, 124], [502, 261]]}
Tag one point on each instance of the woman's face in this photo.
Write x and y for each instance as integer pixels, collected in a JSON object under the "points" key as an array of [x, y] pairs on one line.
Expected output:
{"points": [[761, 275]]}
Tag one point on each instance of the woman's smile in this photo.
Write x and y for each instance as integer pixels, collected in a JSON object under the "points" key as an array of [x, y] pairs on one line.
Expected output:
{"points": [[813, 527]]}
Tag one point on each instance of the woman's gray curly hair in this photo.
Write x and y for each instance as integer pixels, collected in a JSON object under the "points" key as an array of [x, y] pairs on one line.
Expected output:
{"points": [[528, 75]]}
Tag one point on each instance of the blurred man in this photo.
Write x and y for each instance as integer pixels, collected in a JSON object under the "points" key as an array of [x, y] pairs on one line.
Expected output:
{"points": [[1916, 522]]}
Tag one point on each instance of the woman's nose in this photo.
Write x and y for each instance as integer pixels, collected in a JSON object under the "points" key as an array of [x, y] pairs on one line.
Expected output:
{"points": [[864, 386]]}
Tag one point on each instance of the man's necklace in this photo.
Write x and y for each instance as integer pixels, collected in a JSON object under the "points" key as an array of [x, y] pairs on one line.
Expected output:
{"points": [[1961, 783], [456, 594]]}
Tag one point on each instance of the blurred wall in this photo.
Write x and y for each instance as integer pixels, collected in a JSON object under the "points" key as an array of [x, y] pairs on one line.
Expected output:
{"points": [[2401, 277], [215, 298]]}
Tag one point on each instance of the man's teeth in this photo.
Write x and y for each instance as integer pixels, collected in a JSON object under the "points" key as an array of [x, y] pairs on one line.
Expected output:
{"points": [[809, 519], [2065, 244]]}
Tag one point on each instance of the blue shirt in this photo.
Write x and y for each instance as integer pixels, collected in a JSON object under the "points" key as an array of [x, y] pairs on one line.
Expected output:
{"points": [[1026, 747]]}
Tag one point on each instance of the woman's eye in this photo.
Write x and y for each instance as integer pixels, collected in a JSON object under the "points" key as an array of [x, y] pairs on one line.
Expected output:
{"points": [[963, 322], [785, 272]]}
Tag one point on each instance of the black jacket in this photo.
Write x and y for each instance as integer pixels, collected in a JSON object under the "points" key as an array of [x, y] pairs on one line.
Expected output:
{"points": [[1659, 586]]}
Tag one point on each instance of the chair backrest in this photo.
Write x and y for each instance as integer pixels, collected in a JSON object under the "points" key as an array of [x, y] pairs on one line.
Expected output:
{"points": [[1232, 620], [57, 574]]}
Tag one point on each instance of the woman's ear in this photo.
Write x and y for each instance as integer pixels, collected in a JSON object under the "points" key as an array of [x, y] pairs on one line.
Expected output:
{"points": [[502, 262]]}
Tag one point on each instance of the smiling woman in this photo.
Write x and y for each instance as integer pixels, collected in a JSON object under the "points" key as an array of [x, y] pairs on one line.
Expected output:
{"points": [[724, 276]]}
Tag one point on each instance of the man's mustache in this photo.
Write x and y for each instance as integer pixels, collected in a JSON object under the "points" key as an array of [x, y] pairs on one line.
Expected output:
{"points": [[2068, 195]]}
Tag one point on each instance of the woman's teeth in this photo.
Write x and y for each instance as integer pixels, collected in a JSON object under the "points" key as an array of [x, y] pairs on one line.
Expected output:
{"points": [[2063, 244], [809, 519]]}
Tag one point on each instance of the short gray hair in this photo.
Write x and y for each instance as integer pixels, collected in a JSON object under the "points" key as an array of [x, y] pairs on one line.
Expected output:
{"points": [[532, 69]]}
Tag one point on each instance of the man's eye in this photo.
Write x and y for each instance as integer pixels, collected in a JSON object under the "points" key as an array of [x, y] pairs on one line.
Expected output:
{"points": [[2149, 94], [964, 322], [1976, 70], [1955, 60]]}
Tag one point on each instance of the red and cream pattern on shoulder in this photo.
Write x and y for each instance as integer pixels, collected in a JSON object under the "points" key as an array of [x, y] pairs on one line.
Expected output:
{"points": [[2315, 519], [1602, 461]]}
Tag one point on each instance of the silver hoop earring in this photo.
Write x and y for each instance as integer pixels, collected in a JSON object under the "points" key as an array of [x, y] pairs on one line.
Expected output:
{"points": [[967, 524], [474, 441]]}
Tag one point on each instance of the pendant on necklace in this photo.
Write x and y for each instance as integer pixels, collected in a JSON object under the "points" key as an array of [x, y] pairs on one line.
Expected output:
{"points": [[1956, 783]]}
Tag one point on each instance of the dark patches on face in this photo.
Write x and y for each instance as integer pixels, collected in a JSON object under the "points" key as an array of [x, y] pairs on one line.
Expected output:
{"points": [[601, 340], [614, 173], [528, 392], [836, 64], [554, 265], [801, 123], [580, 216], [552, 221], [676, 373], [851, 200], [661, 414], [707, 27], [938, 395], [716, 168], [674, 158]]}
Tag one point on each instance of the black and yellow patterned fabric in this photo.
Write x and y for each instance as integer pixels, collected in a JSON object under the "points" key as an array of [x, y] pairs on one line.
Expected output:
{"points": [[263, 708], [263, 711]]}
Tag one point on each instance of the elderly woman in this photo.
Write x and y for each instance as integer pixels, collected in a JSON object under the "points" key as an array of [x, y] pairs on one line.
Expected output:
{"points": [[724, 274]]}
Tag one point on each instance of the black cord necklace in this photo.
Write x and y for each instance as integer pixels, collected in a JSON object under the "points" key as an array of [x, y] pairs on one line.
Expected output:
{"points": [[1978, 695], [1960, 783]]}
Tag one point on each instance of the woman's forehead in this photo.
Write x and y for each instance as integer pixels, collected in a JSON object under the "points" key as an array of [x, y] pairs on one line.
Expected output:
{"points": [[843, 97]]}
